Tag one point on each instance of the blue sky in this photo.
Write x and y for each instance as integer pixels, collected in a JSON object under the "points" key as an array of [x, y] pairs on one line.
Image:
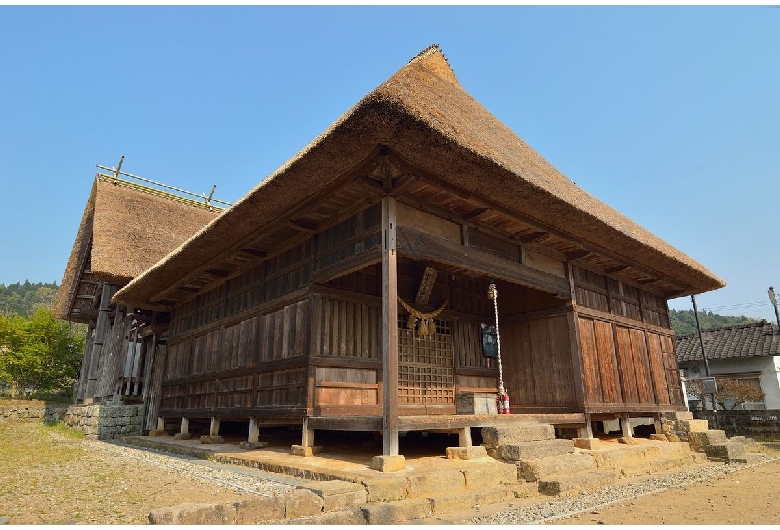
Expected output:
{"points": [[669, 115]]}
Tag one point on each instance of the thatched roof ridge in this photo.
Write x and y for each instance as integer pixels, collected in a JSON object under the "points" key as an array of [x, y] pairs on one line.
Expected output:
{"points": [[125, 229], [425, 116]]}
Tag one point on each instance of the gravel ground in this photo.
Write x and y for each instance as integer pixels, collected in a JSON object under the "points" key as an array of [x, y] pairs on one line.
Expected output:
{"points": [[555, 511]]}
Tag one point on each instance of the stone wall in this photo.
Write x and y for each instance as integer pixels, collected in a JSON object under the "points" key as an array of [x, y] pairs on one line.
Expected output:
{"points": [[104, 421], [752, 423]]}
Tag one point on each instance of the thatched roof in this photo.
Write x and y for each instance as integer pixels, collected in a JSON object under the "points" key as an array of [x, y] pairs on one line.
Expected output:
{"points": [[125, 229], [425, 116], [756, 339]]}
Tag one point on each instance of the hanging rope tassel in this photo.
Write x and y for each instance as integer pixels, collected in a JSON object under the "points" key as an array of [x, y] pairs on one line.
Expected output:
{"points": [[427, 326]]}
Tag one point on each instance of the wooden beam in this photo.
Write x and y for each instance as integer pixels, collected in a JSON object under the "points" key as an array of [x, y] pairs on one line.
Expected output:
{"points": [[613, 270], [302, 226], [254, 252], [370, 185], [403, 183], [474, 214], [532, 237], [578, 254], [419, 246], [390, 329]]}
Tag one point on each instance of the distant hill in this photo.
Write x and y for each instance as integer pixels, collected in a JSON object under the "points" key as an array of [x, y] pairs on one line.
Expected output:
{"points": [[23, 298], [684, 323]]}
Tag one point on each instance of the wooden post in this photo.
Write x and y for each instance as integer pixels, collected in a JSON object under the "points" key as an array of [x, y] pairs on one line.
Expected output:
{"points": [[307, 436], [185, 425], [464, 437], [101, 330], [254, 431], [214, 427], [160, 423], [390, 331], [657, 423], [625, 425], [587, 430]]}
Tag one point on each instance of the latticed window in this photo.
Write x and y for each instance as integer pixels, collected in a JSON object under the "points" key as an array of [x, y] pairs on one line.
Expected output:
{"points": [[425, 365]]}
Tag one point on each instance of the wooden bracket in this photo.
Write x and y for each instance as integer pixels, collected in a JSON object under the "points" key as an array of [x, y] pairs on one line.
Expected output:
{"points": [[426, 286]]}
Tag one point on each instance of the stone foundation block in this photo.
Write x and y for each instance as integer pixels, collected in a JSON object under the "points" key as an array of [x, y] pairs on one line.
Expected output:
{"points": [[542, 468], [388, 463], [212, 439], [494, 496], [157, 432], [587, 443], [659, 437], [252, 445], [698, 440], [300, 450], [435, 482], [575, 483], [490, 476], [191, 514], [302, 502], [531, 450], [672, 437], [466, 453], [689, 426], [397, 511], [344, 517], [629, 440], [678, 415], [339, 495], [183, 436], [495, 436], [260, 509], [453, 503], [385, 489], [727, 452]]}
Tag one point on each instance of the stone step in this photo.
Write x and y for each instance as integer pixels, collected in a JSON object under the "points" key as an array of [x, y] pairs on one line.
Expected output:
{"points": [[648, 467], [544, 468], [678, 415], [496, 436], [533, 450], [575, 483], [699, 440], [690, 426], [726, 452]]}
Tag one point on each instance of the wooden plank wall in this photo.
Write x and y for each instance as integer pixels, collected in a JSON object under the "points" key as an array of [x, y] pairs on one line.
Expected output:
{"points": [[538, 370], [626, 344]]}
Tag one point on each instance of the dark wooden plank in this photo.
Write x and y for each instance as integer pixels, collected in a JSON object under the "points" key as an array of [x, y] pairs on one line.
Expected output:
{"points": [[420, 246], [628, 378]]}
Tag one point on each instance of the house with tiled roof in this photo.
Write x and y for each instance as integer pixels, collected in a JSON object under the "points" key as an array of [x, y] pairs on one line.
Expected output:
{"points": [[745, 351]]}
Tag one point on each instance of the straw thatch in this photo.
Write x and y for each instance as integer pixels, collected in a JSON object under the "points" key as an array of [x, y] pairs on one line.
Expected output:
{"points": [[125, 229], [425, 116]]}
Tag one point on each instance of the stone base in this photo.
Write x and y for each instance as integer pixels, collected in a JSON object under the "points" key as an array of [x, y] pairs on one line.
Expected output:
{"points": [[659, 437], [157, 433], [727, 452], [183, 436], [537, 449], [587, 443], [672, 437], [299, 450], [387, 463], [252, 445], [466, 453], [212, 440], [629, 440]]}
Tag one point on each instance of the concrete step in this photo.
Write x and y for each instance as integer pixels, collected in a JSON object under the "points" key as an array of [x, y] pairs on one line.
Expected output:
{"points": [[496, 436], [544, 468], [575, 483]]}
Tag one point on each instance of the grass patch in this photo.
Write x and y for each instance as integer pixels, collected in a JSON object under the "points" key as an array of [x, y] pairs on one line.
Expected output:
{"points": [[63, 430], [25, 444]]}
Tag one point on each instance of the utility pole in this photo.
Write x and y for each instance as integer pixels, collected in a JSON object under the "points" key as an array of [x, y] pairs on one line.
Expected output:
{"points": [[774, 303], [703, 354]]}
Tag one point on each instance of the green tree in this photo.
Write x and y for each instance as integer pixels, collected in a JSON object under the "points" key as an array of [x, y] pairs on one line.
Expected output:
{"points": [[39, 354]]}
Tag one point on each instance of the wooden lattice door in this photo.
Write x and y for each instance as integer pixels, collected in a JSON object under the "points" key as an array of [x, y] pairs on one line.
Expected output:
{"points": [[425, 369]]}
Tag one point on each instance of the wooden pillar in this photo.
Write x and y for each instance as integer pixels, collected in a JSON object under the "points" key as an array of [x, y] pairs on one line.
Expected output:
{"points": [[86, 358], [185, 425], [101, 330], [587, 430], [254, 431], [625, 425], [658, 424], [464, 437], [214, 427], [160, 423], [390, 329], [307, 436]]}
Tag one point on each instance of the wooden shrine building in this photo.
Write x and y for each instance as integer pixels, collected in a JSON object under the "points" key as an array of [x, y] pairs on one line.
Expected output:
{"points": [[125, 229], [290, 307]]}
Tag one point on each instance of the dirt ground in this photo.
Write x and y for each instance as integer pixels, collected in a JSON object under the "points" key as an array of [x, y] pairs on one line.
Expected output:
{"points": [[746, 497], [48, 476]]}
